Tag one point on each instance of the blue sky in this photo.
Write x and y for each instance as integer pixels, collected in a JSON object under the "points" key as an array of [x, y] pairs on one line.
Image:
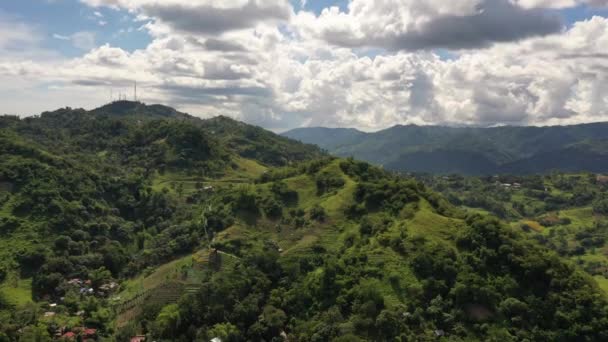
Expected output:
{"points": [[66, 17], [119, 28]]}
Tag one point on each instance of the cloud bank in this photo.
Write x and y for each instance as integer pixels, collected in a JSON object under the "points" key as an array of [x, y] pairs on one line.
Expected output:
{"points": [[376, 64]]}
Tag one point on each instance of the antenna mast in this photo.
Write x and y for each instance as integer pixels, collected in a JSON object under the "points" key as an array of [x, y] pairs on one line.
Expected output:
{"points": [[135, 91]]}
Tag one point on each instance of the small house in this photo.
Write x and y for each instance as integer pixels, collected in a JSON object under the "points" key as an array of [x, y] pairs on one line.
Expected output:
{"points": [[69, 336], [75, 282], [89, 333]]}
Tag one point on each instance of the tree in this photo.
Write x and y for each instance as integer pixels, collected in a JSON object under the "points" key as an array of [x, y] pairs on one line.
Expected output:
{"points": [[35, 333], [168, 320], [327, 182], [317, 213], [225, 332], [99, 276]]}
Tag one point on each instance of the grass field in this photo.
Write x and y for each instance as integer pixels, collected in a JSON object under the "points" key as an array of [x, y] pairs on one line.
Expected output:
{"points": [[153, 279], [18, 292], [602, 282], [245, 171]]}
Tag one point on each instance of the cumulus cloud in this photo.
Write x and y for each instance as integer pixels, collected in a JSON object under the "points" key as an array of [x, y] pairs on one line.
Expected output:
{"points": [[205, 16], [559, 3], [209, 19], [416, 25]]}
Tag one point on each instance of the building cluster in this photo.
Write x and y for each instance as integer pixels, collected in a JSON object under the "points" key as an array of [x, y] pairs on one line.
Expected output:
{"points": [[76, 334], [509, 186], [85, 287]]}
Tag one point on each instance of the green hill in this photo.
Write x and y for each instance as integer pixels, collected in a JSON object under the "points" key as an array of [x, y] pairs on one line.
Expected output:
{"points": [[473, 151], [213, 228], [565, 212]]}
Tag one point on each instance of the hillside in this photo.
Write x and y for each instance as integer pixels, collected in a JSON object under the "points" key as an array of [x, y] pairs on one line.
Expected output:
{"points": [[568, 213], [473, 151], [135, 219]]}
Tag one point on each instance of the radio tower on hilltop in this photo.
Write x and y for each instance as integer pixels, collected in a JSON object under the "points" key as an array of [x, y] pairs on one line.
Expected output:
{"points": [[135, 91]]}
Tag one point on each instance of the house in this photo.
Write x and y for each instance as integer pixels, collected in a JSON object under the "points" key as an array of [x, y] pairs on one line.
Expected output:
{"points": [[108, 287], [216, 339], [439, 333], [69, 336], [89, 333], [75, 282], [601, 179], [138, 338], [49, 314]]}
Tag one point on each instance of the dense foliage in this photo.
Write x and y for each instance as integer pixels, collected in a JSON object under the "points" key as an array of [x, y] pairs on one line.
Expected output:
{"points": [[565, 212], [134, 219], [489, 283]]}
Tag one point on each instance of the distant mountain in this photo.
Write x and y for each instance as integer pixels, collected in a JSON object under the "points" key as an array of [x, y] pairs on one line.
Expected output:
{"points": [[327, 138], [473, 151]]}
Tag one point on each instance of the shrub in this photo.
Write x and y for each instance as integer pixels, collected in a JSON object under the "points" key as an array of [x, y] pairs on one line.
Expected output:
{"points": [[317, 213], [327, 182]]}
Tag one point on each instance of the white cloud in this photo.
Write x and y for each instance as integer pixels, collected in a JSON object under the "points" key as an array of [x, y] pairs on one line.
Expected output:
{"points": [[204, 16], [418, 25], [559, 3], [83, 40], [60, 37], [16, 34], [284, 74]]}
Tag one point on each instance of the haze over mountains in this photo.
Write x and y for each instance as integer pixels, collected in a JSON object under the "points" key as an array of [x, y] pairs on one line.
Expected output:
{"points": [[472, 151]]}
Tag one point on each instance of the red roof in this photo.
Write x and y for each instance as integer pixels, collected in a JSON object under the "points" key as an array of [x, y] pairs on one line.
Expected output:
{"points": [[139, 338], [69, 335], [90, 332]]}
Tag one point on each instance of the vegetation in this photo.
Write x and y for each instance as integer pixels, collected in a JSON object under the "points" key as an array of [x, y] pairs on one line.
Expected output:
{"points": [[564, 212], [134, 219]]}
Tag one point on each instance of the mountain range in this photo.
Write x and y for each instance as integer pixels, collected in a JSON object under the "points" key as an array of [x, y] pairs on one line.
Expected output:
{"points": [[469, 150]]}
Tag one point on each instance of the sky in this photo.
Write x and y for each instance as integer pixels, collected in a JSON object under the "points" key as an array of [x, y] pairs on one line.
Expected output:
{"points": [[284, 64]]}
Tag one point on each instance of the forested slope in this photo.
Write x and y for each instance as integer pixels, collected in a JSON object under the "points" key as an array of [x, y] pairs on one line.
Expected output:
{"points": [[263, 238]]}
